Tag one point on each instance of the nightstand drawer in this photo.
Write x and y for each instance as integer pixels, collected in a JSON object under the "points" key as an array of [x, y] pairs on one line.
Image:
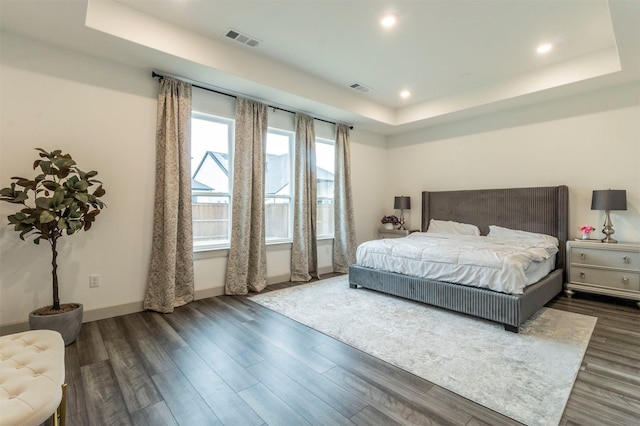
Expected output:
{"points": [[609, 258], [604, 278]]}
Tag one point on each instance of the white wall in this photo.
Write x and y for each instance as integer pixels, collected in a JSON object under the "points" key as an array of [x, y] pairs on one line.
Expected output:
{"points": [[586, 142], [103, 113]]}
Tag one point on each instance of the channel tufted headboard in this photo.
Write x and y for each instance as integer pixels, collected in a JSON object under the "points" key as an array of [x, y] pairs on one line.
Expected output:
{"points": [[541, 209]]}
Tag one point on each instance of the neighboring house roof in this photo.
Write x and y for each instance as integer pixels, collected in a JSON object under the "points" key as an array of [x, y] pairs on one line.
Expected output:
{"points": [[277, 167], [221, 159], [199, 186]]}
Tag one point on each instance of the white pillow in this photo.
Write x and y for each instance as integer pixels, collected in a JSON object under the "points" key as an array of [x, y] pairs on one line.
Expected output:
{"points": [[514, 234], [452, 228]]}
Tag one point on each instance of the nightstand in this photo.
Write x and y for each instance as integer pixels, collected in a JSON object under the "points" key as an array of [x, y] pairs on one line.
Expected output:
{"points": [[611, 269], [393, 233]]}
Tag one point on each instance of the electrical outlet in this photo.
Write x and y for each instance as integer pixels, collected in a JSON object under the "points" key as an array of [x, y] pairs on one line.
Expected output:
{"points": [[94, 281]]}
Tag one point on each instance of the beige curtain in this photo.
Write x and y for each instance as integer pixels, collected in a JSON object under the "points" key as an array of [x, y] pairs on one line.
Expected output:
{"points": [[247, 264], [344, 239], [170, 280], [304, 253]]}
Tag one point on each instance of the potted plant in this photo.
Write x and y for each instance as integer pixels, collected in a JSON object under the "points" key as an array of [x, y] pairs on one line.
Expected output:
{"points": [[390, 221], [57, 202]]}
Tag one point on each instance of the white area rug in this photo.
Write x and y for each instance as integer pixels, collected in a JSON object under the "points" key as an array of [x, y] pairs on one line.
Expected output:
{"points": [[526, 376]]}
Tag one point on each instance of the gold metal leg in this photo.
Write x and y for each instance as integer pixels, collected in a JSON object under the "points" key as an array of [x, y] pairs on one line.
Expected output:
{"points": [[63, 406], [59, 417]]}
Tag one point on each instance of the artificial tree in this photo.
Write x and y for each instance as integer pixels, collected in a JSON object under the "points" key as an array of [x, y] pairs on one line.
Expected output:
{"points": [[56, 202]]}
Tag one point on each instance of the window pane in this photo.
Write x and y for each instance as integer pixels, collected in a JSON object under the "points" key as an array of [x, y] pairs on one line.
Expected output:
{"points": [[210, 219], [325, 163], [210, 166], [277, 218], [210, 183], [325, 217], [278, 164]]}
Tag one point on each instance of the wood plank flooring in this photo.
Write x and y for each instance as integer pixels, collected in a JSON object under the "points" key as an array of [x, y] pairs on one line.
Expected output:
{"points": [[229, 361]]}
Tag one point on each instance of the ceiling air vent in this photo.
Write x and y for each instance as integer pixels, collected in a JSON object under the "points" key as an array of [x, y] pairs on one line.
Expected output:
{"points": [[360, 87], [242, 38]]}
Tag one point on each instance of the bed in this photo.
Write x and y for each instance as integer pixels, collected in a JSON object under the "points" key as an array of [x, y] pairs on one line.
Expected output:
{"points": [[542, 210]]}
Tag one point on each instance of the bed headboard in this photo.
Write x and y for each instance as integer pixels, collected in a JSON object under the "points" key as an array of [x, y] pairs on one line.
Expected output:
{"points": [[542, 209]]}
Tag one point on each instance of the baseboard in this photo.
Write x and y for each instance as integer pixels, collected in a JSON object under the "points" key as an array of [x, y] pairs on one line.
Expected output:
{"points": [[87, 316], [133, 307], [208, 292]]}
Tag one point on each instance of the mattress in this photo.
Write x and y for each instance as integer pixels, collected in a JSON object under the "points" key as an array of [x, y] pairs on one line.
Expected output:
{"points": [[502, 265]]}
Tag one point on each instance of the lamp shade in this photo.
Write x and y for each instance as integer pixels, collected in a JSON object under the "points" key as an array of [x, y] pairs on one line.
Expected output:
{"points": [[609, 199], [402, 203]]}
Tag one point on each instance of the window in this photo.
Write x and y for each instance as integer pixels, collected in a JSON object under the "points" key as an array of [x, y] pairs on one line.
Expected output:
{"points": [[278, 178], [212, 141], [325, 164], [211, 163]]}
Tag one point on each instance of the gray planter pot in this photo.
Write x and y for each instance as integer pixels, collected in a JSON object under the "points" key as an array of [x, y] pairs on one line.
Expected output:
{"points": [[67, 324]]}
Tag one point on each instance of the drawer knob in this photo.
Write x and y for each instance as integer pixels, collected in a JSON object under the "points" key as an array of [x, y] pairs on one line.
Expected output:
{"points": [[625, 259], [625, 281], [582, 256], [582, 275]]}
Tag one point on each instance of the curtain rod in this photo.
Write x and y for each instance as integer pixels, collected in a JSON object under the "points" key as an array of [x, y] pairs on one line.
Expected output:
{"points": [[209, 89]]}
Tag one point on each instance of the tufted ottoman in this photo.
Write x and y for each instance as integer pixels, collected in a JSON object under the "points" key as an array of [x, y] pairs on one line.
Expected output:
{"points": [[31, 378]]}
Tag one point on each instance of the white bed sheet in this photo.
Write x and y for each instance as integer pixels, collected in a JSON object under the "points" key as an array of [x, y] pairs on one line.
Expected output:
{"points": [[507, 266]]}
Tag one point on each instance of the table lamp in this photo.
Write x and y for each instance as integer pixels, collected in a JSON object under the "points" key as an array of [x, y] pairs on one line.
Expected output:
{"points": [[402, 203], [607, 200]]}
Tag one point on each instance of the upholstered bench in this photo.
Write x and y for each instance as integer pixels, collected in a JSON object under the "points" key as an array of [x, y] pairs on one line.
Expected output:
{"points": [[32, 378]]}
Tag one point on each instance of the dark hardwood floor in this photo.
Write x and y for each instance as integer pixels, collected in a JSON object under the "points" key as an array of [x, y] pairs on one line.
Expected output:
{"points": [[227, 360]]}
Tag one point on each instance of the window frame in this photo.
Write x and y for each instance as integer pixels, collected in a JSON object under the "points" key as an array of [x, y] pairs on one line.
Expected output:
{"points": [[325, 141], [291, 136], [230, 123]]}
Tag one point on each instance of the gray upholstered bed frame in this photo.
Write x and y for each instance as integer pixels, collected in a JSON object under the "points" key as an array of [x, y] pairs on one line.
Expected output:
{"points": [[543, 210]]}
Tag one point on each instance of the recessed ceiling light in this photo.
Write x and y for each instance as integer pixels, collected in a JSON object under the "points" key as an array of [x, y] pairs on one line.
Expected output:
{"points": [[405, 94], [388, 21], [544, 48]]}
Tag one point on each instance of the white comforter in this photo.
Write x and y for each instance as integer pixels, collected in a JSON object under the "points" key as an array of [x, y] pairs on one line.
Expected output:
{"points": [[497, 264]]}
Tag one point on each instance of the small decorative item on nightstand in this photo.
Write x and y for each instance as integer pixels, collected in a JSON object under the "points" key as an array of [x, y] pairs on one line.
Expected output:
{"points": [[586, 231], [389, 222]]}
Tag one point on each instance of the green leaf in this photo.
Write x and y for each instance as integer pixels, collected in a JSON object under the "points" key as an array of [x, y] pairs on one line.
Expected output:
{"points": [[45, 166], [81, 197], [62, 173], [49, 184], [23, 196], [99, 192], [58, 197], [81, 185], [43, 153], [63, 162], [46, 216], [44, 203], [8, 192], [25, 183]]}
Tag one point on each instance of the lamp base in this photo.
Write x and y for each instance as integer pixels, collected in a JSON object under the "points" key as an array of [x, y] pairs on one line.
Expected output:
{"points": [[402, 228], [608, 230]]}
